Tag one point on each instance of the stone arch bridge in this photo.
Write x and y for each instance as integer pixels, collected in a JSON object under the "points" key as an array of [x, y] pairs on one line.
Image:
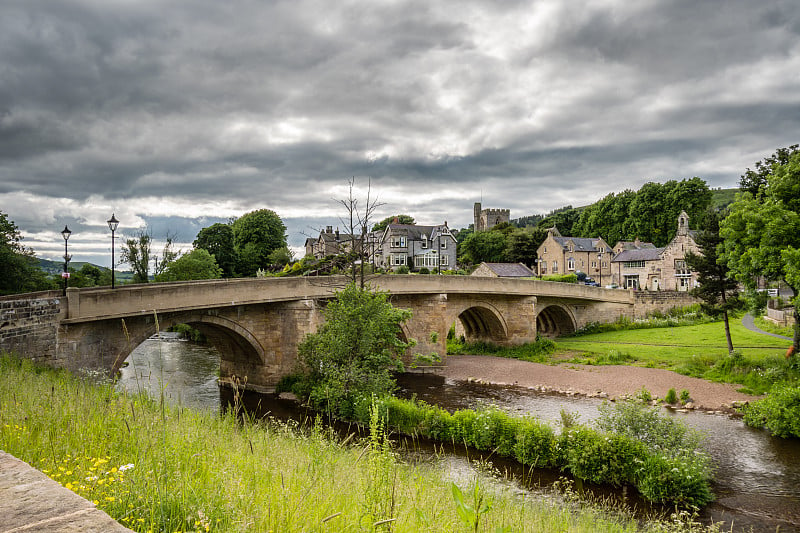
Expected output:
{"points": [[257, 324]]}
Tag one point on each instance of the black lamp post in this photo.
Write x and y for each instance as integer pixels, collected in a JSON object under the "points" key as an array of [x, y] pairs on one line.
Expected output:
{"points": [[66, 233], [112, 225], [600, 266]]}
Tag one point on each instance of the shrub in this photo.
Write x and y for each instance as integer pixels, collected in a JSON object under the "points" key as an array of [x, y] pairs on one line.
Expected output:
{"points": [[779, 412], [671, 397], [402, 270], [602, 458], [643, 395], [561, 278], [674, 480], [685, 397]]}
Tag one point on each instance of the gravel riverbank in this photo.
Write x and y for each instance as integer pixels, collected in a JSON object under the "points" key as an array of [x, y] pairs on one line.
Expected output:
{"points": [[597, 381]]}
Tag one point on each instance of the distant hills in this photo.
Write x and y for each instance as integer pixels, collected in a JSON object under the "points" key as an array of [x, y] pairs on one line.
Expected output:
{"points": [[57, 267]]}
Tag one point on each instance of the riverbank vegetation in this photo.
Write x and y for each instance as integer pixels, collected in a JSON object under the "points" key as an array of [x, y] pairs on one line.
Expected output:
{"points": [[156, 467]]}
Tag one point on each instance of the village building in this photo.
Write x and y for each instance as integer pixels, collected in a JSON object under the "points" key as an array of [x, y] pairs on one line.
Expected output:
{"points": [[651, 268], [328, 243], [414, 246], [486, 219], [565, 255], [503, 270]]}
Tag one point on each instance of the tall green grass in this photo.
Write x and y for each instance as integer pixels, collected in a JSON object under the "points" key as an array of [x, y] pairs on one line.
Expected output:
{"points": [[156, 467]]}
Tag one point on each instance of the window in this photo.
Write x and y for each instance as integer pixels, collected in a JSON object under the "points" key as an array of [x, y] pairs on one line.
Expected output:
{"points": [[444, 244], [424, 241], [555, 267], [398, 242], [444, 259], [571, 263], [397, 259], [634, 264], [427, 260], [631, 282], [681, 269]]}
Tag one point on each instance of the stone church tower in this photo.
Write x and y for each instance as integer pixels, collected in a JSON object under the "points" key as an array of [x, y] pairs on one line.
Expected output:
{"points": [[486, 219]]}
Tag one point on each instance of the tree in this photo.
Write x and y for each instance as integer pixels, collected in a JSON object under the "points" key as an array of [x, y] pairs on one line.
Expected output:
{"points": [[19, 269], [488, 246], [755, 181], [357, 221], [136, 252], [355, 351], [522, 245], [217, 239], [281, 256], [563, 218], [717, 288], [401, 219], [256, 235], [197, 264], [762, 233]]}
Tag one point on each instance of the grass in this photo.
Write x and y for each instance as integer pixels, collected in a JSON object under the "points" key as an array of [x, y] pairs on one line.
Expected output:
{"points": [[155, 467], [698, 350], [771, 327]]}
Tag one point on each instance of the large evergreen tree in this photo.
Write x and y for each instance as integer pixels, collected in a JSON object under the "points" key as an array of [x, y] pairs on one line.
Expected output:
{"points": [[717, 288]]}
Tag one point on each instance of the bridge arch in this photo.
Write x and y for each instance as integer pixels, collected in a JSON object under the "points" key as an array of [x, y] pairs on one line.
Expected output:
{"points": [[235, 343], [481, 322], [555, 320]]}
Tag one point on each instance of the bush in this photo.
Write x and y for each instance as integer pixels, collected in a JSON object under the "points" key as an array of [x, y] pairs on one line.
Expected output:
{"points": [[532, 351], [671, 397], [779, 412], [561, 278], [636, 456], [402, 270], [424, 270], [685, 397]]}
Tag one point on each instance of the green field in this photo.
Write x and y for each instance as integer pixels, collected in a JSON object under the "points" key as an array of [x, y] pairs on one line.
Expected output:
{"points": [[698, 350]]}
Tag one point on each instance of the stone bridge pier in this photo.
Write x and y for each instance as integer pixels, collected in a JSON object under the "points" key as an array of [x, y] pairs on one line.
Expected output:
{"points": [[257, 343]]}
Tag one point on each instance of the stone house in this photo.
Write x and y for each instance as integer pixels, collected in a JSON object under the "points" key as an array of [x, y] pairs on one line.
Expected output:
{"points": [[414, 246], [651, 268], [486, 219], [503, 270], [565, 255], [329, 242]]}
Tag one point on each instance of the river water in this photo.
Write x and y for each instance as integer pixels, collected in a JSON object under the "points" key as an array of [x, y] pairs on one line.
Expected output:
{"points": [[757, 481]]}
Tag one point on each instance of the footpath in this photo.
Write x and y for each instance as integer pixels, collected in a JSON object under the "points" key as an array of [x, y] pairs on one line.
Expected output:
{"points": [[30, 501]]}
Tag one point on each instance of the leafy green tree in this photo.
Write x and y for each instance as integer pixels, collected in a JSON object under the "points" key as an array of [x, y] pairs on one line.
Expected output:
{"points": [[401, 219], [89, 275], [563, 218], [762, 234], [136, 252], [217, 239], [19, 269], [717, 289], [522, 244], [280, 257], [755, 181], [255, 236], [355, 351], [489, 246], [197, 264]]}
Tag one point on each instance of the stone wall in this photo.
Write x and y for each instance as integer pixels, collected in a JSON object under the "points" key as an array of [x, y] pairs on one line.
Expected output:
{"points": [[646, 302], [29, 325]]}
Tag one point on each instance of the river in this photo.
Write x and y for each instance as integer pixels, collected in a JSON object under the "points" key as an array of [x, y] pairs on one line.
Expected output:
{"points": [[757, 481]]}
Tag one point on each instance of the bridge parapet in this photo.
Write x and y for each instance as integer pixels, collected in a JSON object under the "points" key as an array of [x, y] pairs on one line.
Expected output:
{"points": [[132, 300]]}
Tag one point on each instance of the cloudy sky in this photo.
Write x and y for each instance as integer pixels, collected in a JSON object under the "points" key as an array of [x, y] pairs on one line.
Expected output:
{"points": [[179, 114]]}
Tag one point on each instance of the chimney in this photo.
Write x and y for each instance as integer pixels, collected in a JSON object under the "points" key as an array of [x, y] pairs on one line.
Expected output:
{"points": [[337, 234], [396, 220], [329, 229]]}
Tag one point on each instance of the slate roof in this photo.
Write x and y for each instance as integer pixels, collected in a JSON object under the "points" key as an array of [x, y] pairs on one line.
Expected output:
{"points": [[582, 244], [642, 254], [636, 245], [510, 270], [415, 232]]}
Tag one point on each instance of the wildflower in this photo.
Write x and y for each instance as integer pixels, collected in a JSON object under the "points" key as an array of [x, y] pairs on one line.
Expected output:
{"points": [[125, 467]]}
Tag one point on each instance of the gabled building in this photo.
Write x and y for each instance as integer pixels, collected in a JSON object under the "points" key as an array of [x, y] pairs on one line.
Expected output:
{"points": [[659, 268], [565, 255], [416, 247], [329, 242], [503, 270]]}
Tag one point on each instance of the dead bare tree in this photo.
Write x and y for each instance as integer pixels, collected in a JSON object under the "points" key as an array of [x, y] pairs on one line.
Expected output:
{"points": [[357, 220]]}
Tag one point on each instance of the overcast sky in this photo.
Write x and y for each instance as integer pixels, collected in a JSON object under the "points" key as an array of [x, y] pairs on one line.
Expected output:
{"points": [[179, 114]]}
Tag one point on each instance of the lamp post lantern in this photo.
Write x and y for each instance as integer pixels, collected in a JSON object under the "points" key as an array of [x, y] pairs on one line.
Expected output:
{"points": [[112, 225], [66, 233]]}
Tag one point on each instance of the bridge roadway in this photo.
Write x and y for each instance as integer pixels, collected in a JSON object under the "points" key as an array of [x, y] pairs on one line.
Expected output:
{"points": [[257, 324]]}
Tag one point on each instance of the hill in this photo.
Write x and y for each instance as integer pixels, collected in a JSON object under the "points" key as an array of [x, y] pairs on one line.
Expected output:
{"points": [[56, 267]]}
